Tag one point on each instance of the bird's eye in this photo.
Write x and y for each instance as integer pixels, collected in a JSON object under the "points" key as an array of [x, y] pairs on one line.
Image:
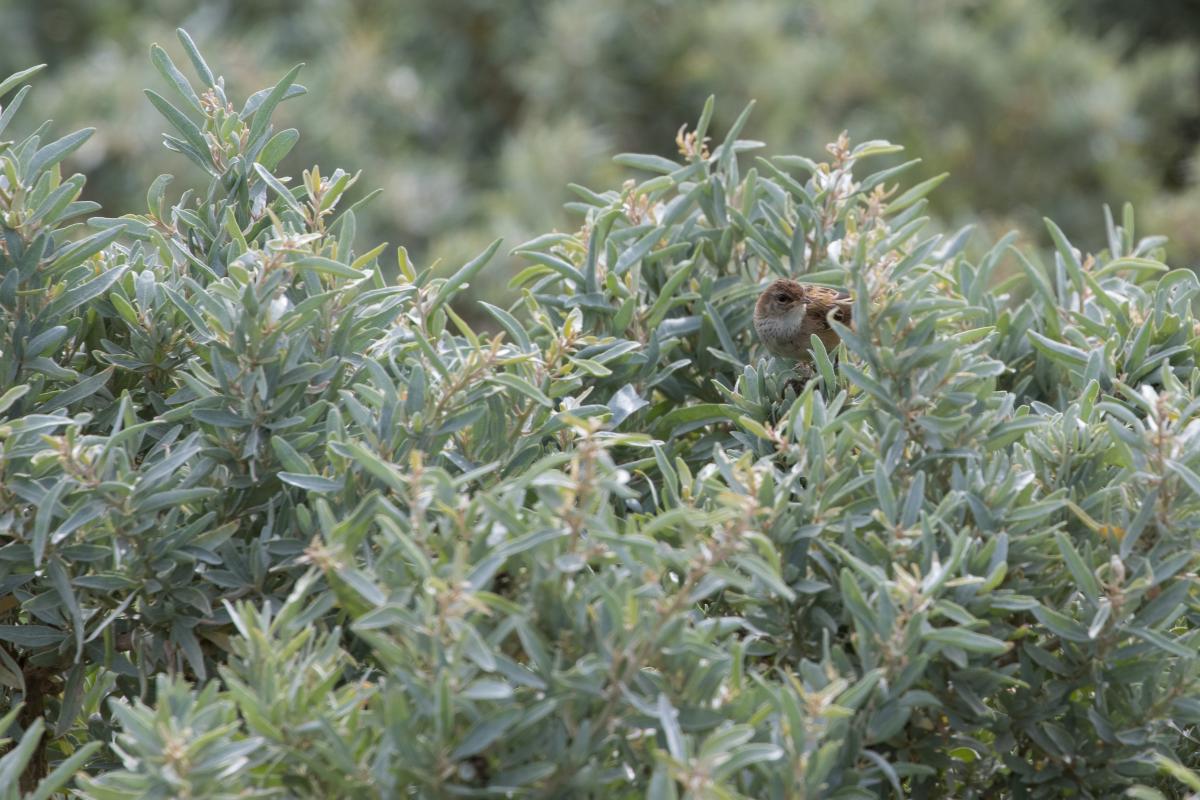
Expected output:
{"points": [[781, 297]]}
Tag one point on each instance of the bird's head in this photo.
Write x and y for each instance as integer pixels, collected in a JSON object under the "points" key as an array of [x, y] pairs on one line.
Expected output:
{"points": [[780, 299]]}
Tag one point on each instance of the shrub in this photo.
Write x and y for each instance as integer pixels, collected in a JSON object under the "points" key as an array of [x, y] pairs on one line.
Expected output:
{"points": [[275, 524]]}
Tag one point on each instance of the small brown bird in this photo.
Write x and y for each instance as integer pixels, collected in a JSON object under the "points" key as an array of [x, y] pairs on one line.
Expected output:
{"points": [[788, 313]]}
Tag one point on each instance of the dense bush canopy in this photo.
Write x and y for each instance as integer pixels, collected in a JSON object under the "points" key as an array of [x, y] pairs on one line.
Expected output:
{"points": [[275, 524]]}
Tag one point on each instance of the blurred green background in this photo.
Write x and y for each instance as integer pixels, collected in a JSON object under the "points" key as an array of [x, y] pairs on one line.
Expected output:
{"points": [[473, 116]]}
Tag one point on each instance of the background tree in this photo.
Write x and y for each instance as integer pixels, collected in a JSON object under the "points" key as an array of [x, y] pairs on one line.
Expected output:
{"points": [[473, 116]]}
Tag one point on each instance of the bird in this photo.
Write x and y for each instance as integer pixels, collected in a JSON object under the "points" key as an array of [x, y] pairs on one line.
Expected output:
{"points": [[788, 313]]}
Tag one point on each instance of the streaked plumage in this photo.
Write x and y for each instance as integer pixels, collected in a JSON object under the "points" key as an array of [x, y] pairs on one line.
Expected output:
{"points": [[788, 313]]}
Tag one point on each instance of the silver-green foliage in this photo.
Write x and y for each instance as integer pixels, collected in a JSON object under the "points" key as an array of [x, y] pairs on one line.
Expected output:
{"points": [[276, 524]]}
